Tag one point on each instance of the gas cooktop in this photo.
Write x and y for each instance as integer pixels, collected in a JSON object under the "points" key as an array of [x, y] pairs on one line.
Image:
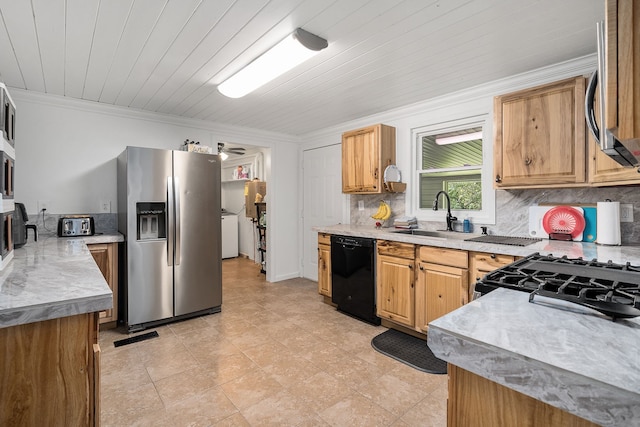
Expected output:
{"points": [[609, 288]]}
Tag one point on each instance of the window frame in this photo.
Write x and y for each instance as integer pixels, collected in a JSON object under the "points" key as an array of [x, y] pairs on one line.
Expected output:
{"points": [[487, 215]]}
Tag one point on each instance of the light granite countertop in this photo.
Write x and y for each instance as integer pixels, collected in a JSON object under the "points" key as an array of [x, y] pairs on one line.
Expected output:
{"points": [[578, 360], [52, 278], [616, 254]]}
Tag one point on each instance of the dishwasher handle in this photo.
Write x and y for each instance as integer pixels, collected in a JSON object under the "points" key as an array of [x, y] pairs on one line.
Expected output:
{"points": [[352, 242]]}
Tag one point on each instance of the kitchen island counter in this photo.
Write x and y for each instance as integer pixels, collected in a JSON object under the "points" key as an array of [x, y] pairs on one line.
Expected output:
{"points": [[586, 250], [571, 358], [53, 278]]}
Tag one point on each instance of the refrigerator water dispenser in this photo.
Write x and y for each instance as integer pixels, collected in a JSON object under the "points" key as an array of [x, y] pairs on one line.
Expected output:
{"points": [[151, 220]]}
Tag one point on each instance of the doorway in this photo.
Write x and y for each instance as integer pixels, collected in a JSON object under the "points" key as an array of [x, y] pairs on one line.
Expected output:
{"points": [[242, 164]]}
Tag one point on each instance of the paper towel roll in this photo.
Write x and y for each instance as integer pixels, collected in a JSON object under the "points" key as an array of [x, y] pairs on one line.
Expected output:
{"points": [[608, 223]]}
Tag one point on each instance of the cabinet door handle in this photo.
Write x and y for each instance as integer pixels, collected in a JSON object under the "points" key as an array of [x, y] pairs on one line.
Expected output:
{"points": [[493, 256], [498, 178], [421, 268], [410, 266], [527, 161], [375, 173]]}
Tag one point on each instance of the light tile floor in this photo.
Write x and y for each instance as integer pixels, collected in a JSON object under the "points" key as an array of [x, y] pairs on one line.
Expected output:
{"points": [[275, 356]]}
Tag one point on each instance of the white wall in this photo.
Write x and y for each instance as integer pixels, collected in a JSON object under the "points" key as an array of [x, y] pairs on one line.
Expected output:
{"points": [[66, 150]]}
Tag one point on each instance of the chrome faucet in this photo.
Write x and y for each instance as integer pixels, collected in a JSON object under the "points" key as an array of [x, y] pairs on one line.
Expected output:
{"points": [[450, 218]]}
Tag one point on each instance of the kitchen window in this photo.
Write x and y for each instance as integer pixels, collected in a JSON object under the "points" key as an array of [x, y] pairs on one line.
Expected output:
{"points": [[452, 158]]}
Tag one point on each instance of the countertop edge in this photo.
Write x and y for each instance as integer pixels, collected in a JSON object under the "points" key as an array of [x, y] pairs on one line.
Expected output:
{"points": [[569, 369], [44, 312], [586, 250], [39, 285], [577, 394]]}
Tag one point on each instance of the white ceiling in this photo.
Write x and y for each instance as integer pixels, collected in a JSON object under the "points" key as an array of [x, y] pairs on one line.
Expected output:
{"points": [[168, 55]]}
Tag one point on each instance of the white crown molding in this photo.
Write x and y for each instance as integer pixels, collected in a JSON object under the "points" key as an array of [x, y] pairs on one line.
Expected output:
{"points": [[229, 132]]}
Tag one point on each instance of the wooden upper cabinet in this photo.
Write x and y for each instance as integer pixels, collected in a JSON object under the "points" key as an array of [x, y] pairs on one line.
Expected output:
{"points": [[540, 136], [622, 59], [366, 153], [622, 109], [603, 170]]}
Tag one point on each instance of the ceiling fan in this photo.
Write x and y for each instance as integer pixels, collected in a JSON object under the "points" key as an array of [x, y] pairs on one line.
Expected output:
{"points": [[224, 152]]}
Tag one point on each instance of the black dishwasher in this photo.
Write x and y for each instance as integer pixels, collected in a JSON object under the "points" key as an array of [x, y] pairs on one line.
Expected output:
{"points": [[353, 285]]}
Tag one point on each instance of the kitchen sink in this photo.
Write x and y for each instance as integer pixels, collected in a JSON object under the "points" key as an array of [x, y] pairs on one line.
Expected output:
{"points": [[439, 234]]}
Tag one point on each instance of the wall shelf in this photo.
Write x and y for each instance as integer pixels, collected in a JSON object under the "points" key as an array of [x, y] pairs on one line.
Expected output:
{"points": [[242, 169]]}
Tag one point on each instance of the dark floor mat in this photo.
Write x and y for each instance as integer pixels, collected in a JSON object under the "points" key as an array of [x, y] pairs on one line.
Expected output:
{"points": [[409, 350], [137, 338]]}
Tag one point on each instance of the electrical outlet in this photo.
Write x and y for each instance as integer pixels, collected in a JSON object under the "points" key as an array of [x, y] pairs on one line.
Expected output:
{"points": [[43, 204], [105, 206], [626, 212], [360, 205]]}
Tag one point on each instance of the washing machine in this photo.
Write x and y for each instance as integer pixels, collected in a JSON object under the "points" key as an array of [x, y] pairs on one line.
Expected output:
{"points": [[229, 235]]}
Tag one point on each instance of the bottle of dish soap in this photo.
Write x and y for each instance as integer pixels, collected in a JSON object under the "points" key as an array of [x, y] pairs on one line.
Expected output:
{"points": [[466, 225]]}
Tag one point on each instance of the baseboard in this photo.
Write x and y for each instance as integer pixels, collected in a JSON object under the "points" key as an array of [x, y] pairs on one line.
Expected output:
{"points": [[388, 324]]}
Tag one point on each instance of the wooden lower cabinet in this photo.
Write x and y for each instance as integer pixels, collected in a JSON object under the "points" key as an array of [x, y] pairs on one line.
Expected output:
{"points": [[106, 256], [444, 289], [49, 373], [441, 285], [481, 263], [324, 264], [395, 282], [476, 401], [417, 284]]}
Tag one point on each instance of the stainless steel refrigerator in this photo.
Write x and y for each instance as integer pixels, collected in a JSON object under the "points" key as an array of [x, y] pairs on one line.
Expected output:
{"points": [[169, 212]]}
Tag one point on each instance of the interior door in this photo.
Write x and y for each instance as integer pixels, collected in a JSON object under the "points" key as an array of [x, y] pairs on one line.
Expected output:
{"points": [[324, 202], [198, 245]]}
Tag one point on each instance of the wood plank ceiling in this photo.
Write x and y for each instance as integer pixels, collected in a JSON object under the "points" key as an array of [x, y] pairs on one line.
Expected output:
{"points": [[168, 56]]}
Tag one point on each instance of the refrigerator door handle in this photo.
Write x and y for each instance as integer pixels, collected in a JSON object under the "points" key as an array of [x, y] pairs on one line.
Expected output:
{"points": [[176, 190], [171, 221]]}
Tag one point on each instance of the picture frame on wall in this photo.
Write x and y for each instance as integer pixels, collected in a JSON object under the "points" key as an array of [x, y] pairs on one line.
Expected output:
{"points": [[242, 172]]}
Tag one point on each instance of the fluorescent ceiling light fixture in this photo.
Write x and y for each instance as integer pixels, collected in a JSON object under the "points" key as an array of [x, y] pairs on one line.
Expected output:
{"points": [[459, 138], [296, 48]]}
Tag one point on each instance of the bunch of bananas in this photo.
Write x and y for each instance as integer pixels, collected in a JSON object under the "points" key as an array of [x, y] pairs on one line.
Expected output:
{"points": [[384, 211]]}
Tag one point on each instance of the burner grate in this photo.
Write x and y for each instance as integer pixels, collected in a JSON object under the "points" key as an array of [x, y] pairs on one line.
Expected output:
{"points": [[610, 302], [612, 289]]}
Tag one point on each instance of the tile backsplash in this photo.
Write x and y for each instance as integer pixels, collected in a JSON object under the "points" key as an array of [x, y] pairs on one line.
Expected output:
{"points": [[512, 208]]}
